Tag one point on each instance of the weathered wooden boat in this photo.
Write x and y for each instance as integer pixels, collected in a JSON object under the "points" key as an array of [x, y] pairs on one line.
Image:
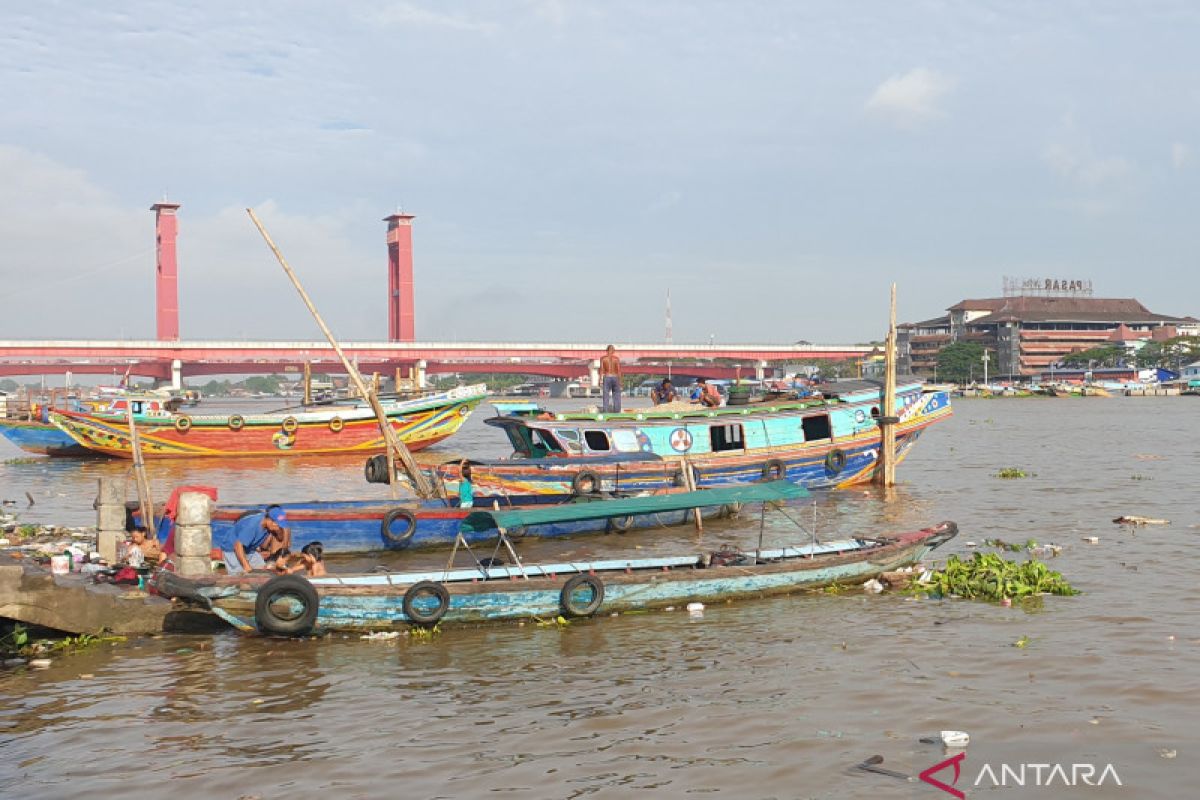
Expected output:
{"points": [[41, 438], [327, 430], [822, 443], [291, 605], [358, 526]]}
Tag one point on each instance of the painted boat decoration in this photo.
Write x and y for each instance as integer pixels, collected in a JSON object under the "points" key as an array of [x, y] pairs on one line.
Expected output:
{"points": [[824, 443], [328, 430], [359, 526], [41, 438], [34, 433], [290, 605]]}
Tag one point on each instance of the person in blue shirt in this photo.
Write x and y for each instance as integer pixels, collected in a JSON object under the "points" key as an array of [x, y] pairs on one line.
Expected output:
{"points": [[253, 536], [466, 489]]}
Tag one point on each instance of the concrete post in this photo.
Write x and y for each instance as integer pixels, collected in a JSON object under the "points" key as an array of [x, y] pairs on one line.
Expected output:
{"points": [[110, 519], [594, 374], [176, 374], [760, 371], [193, 534], [422, 365]]}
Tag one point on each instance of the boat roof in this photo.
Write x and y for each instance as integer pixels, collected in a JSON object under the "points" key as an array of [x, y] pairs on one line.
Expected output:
{"points": [[629, 506]]}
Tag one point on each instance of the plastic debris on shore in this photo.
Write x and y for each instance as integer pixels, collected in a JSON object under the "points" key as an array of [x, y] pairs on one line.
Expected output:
{"points": [[1130, 519]]}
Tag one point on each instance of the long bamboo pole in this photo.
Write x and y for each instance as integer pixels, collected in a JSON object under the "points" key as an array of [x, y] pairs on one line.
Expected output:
{"points": [[885, 474], [145, 501], [395, 447]]}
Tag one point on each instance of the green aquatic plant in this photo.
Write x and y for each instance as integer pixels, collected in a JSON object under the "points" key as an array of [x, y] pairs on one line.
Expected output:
{"points": [[987, 576], [1012, 472], [1012, 547], [423, 634]]}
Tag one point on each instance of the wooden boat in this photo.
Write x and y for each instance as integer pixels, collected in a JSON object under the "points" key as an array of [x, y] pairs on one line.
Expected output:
{"points": [[41, 438], [828, 442], [35, 434], [326, 430], [290, 605], [357, 526]]}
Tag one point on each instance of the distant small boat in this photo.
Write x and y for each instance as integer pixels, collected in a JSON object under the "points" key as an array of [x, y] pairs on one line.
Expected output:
{"points": [[328, 430], [291, 605]]}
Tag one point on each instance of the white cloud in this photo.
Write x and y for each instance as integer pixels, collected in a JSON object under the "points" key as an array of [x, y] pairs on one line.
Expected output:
{"points": [[1181, 155], [1072, 155], [411, 14], [912, 99]]}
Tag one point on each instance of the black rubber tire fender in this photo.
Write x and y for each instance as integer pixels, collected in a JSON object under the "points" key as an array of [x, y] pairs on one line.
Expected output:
{"points": [[585, 482], [422, 616], [620, 524], [835, 461], [336, 424], [296, 588], [183, 423], [774, 469], [572, 607], [236, 422], [289, 424], [403, 538], [376, 469]]}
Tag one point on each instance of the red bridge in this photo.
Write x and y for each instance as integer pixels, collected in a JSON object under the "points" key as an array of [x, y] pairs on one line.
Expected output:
{"points": [[169, 358]]}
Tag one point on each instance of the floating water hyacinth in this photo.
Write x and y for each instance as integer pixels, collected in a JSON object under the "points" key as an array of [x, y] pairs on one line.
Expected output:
{"points": [[987, 576]]}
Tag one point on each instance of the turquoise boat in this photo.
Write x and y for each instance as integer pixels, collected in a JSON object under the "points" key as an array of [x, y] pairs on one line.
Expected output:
{"points": [[41, 438], [291, 605], [831, 441]]}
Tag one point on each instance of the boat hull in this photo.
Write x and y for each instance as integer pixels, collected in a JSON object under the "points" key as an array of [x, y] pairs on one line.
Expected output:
{"points": [[377, 602], [419, 424], [839, 461], [42, 438], [362, 526]]}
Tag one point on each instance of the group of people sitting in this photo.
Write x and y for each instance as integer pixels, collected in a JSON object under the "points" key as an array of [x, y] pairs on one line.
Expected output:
{"points": [[261, 540], [704, 393], [258, 540]]}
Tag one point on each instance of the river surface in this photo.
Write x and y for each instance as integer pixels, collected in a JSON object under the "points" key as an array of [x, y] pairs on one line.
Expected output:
{"points": [[776, 698]]}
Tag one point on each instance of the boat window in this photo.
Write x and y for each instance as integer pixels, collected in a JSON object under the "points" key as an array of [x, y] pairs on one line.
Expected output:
{"points": [[570, 439], [625, 441], [137, 406], [596, 440], [520, 440], [874, 412], [816, 427], [726, 437], [545, 441]]}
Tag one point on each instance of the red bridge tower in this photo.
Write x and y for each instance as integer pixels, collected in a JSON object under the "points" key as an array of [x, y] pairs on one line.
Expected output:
{"points": [[401, 316]]}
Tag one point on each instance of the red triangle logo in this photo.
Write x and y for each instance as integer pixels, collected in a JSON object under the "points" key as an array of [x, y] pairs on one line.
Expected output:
{"points": [[953, 761]]}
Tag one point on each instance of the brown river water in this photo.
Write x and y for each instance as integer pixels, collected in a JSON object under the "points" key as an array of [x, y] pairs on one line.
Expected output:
{"points": [[777, 698]]}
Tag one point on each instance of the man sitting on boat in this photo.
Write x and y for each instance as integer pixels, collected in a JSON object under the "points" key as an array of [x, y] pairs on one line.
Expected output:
{"points": [[254, 534], [663, 393], [710, 397]]}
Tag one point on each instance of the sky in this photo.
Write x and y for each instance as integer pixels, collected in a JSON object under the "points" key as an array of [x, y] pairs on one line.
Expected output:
{"points": [[775, 166]]}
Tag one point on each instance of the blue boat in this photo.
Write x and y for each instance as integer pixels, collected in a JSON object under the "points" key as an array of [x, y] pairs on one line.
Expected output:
{"points": [[826, 442], [41, 438], [291, 605], [359, 526]]}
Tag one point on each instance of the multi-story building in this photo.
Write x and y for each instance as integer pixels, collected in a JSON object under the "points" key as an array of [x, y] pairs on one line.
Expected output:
{"points": [[1029, 333]]}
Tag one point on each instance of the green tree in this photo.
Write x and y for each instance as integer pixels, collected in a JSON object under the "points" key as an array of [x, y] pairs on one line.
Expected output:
{"points": [[8, 385], [266, 384], [961, 362], [1106, 356]]}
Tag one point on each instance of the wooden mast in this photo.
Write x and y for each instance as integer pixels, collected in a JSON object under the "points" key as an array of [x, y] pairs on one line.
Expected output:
{"points": [[885, 473], [395, 448]]}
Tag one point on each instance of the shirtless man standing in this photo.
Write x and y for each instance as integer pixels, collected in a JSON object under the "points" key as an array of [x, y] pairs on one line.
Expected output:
{"points": [[610, 382]]}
